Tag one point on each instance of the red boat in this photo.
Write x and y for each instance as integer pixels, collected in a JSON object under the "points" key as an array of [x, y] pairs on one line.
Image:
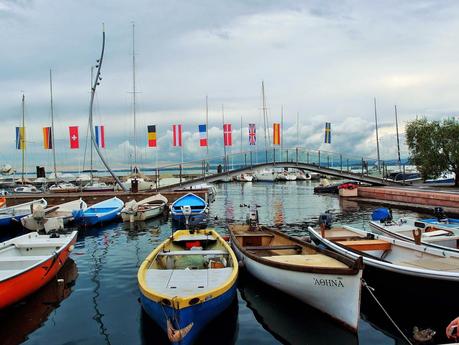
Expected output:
{"points": [[30, 261]]}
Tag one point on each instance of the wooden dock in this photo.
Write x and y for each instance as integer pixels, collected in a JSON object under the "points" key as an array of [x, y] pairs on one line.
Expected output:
{"points": [[95, 197]]}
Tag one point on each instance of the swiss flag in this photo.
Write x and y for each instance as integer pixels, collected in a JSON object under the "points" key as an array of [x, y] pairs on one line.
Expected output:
{"points": [[74, 138]]}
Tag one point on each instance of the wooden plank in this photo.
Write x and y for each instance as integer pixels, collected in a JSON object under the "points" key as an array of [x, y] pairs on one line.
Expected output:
{"points": [[309, 260], [364, 245]]}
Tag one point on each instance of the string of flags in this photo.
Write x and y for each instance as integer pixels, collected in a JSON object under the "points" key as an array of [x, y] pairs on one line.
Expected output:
{"points": [[74, 138]]}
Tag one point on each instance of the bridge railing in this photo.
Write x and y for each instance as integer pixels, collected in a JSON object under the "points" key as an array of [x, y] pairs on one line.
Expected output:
{"points": [[178, 172]]}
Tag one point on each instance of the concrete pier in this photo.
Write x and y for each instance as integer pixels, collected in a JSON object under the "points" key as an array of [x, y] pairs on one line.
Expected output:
{"points": [[95, 197]]}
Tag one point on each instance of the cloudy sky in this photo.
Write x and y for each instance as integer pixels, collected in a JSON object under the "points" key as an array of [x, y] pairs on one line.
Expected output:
{"points": [[323, 60]]}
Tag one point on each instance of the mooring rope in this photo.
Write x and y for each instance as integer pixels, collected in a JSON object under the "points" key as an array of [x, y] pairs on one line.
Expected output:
{"points": [[370, 290]]}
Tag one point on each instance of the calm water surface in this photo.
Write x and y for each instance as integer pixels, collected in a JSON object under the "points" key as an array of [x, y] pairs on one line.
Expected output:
{"points": [[99, 302]]}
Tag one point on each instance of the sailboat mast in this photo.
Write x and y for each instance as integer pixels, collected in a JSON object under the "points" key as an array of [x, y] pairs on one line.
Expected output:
{"points": [[91, 103], [398, 140], [264, 114], [52, 125], [22, 137], [133, 94], [377, 137]]}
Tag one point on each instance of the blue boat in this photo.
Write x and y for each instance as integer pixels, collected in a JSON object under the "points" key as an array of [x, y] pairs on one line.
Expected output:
{"points": [[102, 212], [190, 210], [187, 281], [441, 221], [13, 214]]}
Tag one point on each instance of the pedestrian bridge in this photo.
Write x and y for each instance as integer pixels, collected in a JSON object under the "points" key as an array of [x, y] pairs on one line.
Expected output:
{"points": [[207, 170]]}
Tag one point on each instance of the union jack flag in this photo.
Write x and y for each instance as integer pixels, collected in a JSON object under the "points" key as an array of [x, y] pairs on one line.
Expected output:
{"points": [[252, 134]]}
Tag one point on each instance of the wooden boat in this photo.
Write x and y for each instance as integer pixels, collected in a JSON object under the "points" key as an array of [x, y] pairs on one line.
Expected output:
{"points": [[97, 187], [286, 176], [403, 273], [26, 189], [302, 176], [30, 261], [52, 218], [325, 280], [190, 210], [145, 209], [187, 281], [243, 178], [102, 212], [9, 215], [265, 176]]}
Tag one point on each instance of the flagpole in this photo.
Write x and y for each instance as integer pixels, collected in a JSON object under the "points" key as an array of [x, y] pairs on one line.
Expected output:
{"points": [[224, 146], [22, 137], [52, 125], [377, 138], [298, 129], [207, 127], [398, 140], [241, 136], [282, 130]]}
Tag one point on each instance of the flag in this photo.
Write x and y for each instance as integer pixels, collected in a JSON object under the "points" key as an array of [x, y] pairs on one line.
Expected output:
{"points": [[252, 134], [74, 138], [20, 138], [227, 135], [177, 135], [100, 136], [151, 135], [327, 139], [276, 134], [47, 138], [202, 135]]}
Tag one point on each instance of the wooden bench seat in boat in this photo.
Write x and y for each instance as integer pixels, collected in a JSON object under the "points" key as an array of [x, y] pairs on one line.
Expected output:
{"points": [[23, 258], [245, 234], [193, 252], [340, 234], [186, 282], [307, 260], [275, 247], [364, 245], [39, 245]]}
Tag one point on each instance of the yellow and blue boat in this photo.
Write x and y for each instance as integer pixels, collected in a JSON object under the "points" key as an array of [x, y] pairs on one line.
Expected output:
{"points": [[187, 281]]}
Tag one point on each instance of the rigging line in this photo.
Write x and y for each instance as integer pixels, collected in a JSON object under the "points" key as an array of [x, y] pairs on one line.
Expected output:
{"points": [[370, 290]]}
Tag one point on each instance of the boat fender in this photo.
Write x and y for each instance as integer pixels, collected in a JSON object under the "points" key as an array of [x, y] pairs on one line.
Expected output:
{"points": [[241, 263], [417, 236], [177, 335], [71, 248]]}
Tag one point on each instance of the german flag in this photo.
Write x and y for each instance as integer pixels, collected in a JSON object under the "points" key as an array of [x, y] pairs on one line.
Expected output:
{"points": [[47, 138], [276, 134], [151, 136]]}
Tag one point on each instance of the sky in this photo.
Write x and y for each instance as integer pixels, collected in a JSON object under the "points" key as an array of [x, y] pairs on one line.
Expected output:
{"points": [[319, 60]]}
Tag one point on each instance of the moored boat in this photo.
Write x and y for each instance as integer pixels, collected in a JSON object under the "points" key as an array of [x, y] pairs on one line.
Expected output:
{"points": [[96, 186], [65, 187], [243, 178], [30, 261], [286, 176], [187, 281], [11, 214], [52, 218], [2, 202], [145, 209], [190, 210], [102, 212], [264, 176], [26, 189], [325, 280], [402, 273]]}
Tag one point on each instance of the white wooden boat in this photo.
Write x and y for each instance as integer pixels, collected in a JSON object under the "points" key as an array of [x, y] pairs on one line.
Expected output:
{"points": [[325, 280], [187, 281], [52, 218], [96, 186], [265, 176], [13, 214], [29, 261], [418, 277], [145, 209], [26, 189], [243, 178], [65, 187], [413, 230], [286, 176], [142, 183], [302, 176]]}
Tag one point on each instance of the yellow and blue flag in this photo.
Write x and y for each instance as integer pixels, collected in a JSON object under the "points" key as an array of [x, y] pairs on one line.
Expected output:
{"points": [[327, 139], [20, 138]]}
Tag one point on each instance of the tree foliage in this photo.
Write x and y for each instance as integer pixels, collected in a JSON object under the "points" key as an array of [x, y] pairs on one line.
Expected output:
{"points": [[434, 146]]}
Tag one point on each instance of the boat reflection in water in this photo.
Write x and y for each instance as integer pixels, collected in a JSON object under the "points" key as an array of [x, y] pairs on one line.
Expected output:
{"points": [[26, 316], [223, 330], [287, 319]]}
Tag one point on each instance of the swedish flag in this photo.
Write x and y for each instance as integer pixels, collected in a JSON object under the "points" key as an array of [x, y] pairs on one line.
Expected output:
{"points": [[327, 138]]}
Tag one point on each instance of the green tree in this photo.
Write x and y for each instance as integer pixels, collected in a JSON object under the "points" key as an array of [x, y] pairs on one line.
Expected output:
{"points": [[434, 146]]}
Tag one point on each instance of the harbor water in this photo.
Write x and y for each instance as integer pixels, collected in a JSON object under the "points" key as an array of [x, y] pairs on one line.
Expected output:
{"points": [[98, 300]]}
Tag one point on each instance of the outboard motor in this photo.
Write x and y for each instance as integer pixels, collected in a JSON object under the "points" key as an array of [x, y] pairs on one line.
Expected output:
{"points": [[325, 220], [253, 219], [382, 214], [439, 213], [186, 211]]}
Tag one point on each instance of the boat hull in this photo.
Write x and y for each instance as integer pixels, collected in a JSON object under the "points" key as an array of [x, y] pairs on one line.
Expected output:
{"points": [[20, 286], [194, 220], [141, 216], [199, 315], [333, 294]]}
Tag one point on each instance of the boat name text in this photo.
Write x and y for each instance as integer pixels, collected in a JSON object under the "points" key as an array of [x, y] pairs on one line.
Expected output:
{"points": [[328, 282]]}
